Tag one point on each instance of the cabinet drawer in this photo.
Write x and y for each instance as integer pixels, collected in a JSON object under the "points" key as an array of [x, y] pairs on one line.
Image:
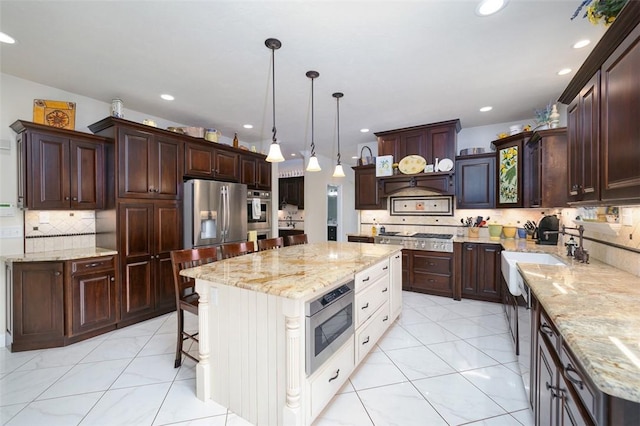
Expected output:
{"points": [[371, 330], [577, 380], [369, 300], [371, 274], [91, 265], [432, 264], [330, 378], [549, 332]]}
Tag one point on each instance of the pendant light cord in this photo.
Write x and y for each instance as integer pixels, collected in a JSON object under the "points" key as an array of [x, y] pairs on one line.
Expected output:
{"points": [[338, 109], [273, 86], [313, 145]]}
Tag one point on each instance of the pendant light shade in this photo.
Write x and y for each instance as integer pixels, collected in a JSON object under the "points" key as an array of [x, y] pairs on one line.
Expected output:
{"points": [[275, 155], [313, 165], [338, 172]]}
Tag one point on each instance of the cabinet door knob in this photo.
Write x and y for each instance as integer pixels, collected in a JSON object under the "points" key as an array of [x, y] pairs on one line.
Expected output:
{"points": [[57, 274], [75, 198], [66, 198], [113, 279], [151, 189]]}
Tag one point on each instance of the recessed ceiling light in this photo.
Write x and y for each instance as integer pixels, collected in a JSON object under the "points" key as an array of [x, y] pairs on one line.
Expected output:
{"points": [[364, 130], [167, 97], [489, 7], [581, 44], [248, 126], [355, 157], [6, 38], [564, 71], [293, 154], [486, 108]]}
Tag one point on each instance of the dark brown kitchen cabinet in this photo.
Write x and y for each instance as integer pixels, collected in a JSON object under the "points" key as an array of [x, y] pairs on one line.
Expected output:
{"points": [[90, 296], [583, 140], [480, 274], [406, 269], [620, 131], [291, 191], [431, 141], [367, 189], [603, 129], [206, 161], [59, 169], [150, 165], [149, 231], [476, 181], [255, 172], [510, 165], [430, 272], [35, 318], [359, 239], [545, 169], [287, 232]]}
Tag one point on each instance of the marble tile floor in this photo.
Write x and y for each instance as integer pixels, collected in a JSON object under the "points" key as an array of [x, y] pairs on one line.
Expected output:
{"points": [[444, 362]]}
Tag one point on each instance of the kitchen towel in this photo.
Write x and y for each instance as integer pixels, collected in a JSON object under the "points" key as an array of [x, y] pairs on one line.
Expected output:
{"points": [[252, 236], [255, 204]]}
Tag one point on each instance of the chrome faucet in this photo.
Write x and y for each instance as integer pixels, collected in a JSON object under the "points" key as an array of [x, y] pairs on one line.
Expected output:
{"points": [[579, 253], [290, 221]]}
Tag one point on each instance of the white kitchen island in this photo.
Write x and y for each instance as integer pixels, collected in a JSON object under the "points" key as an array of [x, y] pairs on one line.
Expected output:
{"points": [[252, 325]]}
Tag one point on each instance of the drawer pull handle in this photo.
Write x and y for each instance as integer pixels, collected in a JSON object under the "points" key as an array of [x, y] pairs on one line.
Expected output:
{"points": [[91, 265], [553, 390], [431, 280], [366, 341], [385, 290], [385, 268], [365, 306], [335, 377], [432, 264], [365, 279], [569, 369], [546, 329], [386, 318]]}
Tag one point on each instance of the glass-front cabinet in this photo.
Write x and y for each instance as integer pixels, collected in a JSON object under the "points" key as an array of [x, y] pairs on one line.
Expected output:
{"points": [[509, 173]]}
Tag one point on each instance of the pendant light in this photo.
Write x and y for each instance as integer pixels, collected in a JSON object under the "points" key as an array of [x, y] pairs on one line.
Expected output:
{"points": [[338, 172], [275, 155], [313, 165]]}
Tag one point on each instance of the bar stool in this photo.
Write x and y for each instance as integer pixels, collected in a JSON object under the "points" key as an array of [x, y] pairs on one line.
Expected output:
{"points": [[294, 240], [270, 243], [237, 249], [186, 296]]}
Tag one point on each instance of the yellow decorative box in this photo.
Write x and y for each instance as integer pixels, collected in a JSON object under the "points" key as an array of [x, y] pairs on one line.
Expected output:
{"points": [[59, 114]]}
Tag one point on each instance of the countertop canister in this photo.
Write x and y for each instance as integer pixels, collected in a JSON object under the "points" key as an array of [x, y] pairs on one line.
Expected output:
{"points": [[117, 108]]}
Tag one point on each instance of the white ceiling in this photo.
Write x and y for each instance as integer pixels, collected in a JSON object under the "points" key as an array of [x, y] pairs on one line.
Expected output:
{"points": [[399, 63]]}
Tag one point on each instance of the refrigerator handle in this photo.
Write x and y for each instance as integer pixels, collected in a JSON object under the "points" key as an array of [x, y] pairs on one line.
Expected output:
{"points": [[227, 212], [222, 214]]}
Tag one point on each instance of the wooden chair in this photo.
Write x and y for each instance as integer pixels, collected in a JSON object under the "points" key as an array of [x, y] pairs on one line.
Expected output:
{"points": [[237, 249], [270, 243], [186, 296], [294, 240]]}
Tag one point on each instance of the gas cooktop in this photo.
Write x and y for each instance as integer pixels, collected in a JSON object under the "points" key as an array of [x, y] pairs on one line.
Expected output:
{"points": [[418, 241]]}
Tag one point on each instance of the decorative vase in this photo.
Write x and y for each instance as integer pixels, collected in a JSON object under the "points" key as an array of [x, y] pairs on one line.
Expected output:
{"points": [[554, 117], [495, 231]]}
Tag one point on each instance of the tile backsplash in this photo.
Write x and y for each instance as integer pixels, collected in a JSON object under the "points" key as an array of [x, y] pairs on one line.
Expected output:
{"points": [[58, 230]]}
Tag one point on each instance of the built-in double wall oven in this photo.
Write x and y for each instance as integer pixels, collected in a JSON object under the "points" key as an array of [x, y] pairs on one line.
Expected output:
{"points": [[329, 324], [259, 213]]}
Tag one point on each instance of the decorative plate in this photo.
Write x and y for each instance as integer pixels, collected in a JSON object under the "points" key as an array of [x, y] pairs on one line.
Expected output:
{"points": [[58, 114], [445, 165], [412, 164]]}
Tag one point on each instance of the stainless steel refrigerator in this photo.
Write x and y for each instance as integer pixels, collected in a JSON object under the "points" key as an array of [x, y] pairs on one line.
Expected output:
{"points": [[214, 213]]}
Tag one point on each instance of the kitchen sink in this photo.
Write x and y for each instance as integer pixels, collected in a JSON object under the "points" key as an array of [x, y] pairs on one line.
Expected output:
{"points": [[510, 269]]}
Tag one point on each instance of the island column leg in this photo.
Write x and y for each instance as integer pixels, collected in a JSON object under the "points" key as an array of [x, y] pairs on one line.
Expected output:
{"points": [[203, 368], [293, 413]]}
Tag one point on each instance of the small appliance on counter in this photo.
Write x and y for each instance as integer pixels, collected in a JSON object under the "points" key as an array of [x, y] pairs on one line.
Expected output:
{"points": [[548, 230]]}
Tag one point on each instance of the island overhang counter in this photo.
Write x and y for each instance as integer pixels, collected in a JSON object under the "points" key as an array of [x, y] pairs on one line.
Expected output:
{"points": [[254, 325]]}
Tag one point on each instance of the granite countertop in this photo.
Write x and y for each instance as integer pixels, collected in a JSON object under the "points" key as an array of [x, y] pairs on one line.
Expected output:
{"points": [[595, 307], [294, 272], [59, 255]]}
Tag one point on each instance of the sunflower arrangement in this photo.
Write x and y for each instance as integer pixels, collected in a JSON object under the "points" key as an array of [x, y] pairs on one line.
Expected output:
{"points": [[600, 10]]}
